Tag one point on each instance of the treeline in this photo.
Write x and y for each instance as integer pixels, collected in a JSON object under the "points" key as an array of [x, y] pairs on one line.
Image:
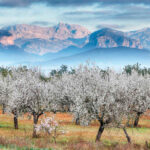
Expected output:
{"points": [[88, 92]]}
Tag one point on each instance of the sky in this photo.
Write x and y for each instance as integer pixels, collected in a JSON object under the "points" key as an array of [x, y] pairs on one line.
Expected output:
{"points": [[124, 15]]}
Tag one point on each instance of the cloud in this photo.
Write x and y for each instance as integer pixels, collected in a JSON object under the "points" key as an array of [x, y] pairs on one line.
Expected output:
{"points": [[113, 26], [4, 33], [25, 3], [80, 13], [41, 23], [121, 17], [90, 15], [122, 13], [133, 13]]}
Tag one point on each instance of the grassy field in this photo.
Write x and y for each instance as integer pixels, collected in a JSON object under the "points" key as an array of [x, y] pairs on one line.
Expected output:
{"points": [[75, 138]]}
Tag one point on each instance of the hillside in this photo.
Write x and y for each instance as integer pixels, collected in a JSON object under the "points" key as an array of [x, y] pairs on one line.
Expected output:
{"points": [[41, 40], [142, 35], [106, 56], [107, 38]]}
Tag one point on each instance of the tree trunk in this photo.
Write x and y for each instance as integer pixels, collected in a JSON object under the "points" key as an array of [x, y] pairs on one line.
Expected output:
{"points": [[15, 120], [35, 121], [15, 113], [128, 122], [4, 107], [127, 136], [77, 121], [137, 119], [100, 131]]}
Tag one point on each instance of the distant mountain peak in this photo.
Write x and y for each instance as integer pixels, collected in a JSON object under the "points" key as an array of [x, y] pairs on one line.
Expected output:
{"points": [[61, 24], [108, 38], [64, 30], [108, 32], [143, 35]]}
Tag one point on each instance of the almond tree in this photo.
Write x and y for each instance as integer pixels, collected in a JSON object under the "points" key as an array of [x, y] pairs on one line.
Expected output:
{"points": [[93, 97], [106, 96], [34, 95], [15, 103], [138, 94], [138, 86], [6, 88], [15, 106], [61, 95], [8, 96]]}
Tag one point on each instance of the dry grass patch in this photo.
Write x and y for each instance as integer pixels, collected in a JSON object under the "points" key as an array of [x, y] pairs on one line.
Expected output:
{"points": [[75, 138]]}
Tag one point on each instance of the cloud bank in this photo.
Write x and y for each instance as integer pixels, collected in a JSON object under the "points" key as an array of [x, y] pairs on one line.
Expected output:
{"points": [[25, 3]]}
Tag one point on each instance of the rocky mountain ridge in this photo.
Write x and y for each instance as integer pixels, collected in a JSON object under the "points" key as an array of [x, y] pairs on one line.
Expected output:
{"points": [[43, 40], [109, 38], [142, 35]]}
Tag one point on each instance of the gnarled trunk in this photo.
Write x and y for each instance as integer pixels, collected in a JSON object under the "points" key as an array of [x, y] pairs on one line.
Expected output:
{"points": [[16, 121], [35, 121], [15, 118], [127, 136], [77, 122], [136, 121], [100, 131], [3, 109]]}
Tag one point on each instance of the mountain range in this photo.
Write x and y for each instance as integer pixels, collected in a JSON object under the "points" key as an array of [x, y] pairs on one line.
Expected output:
{"points": [[41, 40], [72, 44]]}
